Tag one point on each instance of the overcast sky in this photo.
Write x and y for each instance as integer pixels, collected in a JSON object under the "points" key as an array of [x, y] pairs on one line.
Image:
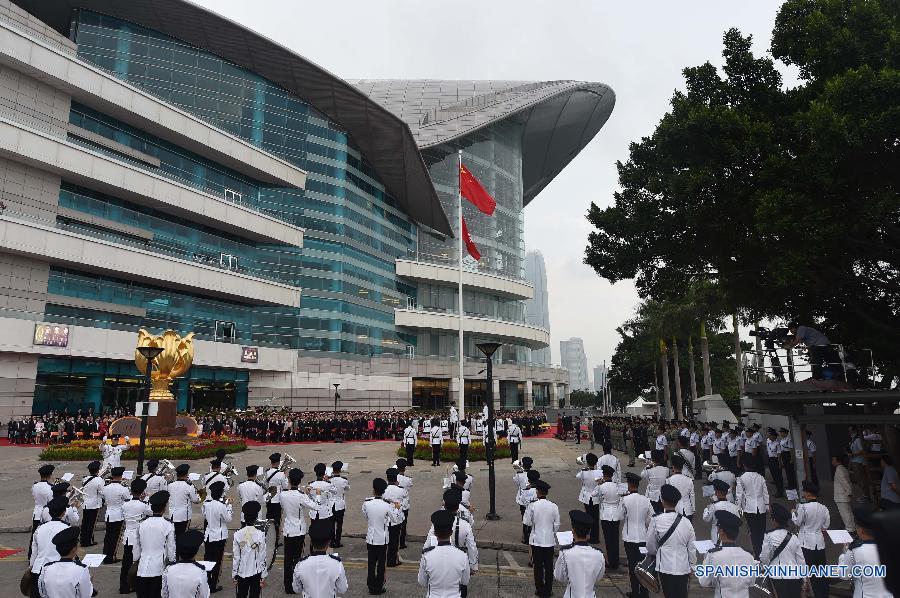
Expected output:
{"points": [[637, 48]]}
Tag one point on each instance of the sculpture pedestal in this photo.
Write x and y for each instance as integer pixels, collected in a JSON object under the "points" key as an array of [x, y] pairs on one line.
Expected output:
{"points": [[163, 424]]}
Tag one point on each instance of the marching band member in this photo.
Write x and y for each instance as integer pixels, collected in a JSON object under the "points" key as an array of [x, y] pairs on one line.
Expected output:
{"points": [[319, 575], [380, 515], [685, 485], [276, 479], [520, 478], [726, 476], [609, 459], [863, 552], [394, 494], [462, 535], [706, 442], [782, 548], [66, 577], [406, 483], [250, 490], [42, 492], [461, 467], [294, 504], [579, 565], [43, 550], [689, 468], [187, 578], [134, 510], [753, 500], [182, 497], [323, 497], [813, 518], [155, 482], [114, 496], [112, 454], [636, 513], [514, 437], [70, 517], [610, 515], [590, 476], [436, 436], [339, 487], [248, 550], [655, 473], [217, 514], [662, 443], [727, 553], [215, 475], [154, 547], [719, 503], [543, 517], [443, 569], [463, 439], [91, 485], [676, 557], [525, 498], [410, 438], [453, 420]]}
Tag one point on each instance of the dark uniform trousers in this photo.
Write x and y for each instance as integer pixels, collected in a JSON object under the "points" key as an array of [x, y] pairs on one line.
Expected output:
{"points": [[293, 550], [787, 587], [594, 511], [111, 540], [775, 470], [789, 471], [148, 587], [273, 511], [180, 527], [657, 506], [248, 587], [464, 452], [756, 523], [339, 528], [526, 529], [634, 556], [393, 559], [542, 557], [213, 552], [410, 452], [34, 525], [514, 450], [435, 454], [377, 560], [674, 586], [127, 560], [403, 528], [819, 584], [611, 539], [88, 522]]}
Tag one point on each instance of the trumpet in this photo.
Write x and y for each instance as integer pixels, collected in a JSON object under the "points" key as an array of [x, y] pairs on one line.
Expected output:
{"points": [[166, 470], [285, 463], [105, 472], [712, 466], [229, 472]]}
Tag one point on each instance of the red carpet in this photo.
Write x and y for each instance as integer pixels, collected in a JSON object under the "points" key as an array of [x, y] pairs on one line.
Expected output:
{"points": [[8, 552]]}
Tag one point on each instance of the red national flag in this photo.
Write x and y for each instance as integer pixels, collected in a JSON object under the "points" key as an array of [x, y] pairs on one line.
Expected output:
{"points": [[472, 190], [470, 244]]}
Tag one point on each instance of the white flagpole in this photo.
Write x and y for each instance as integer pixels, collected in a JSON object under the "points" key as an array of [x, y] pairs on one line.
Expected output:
{"points": [[462, 379]]}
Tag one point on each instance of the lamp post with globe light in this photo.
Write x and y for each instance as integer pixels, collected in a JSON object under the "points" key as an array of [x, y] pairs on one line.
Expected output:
{"points": [[150, 354], [489, 444]]}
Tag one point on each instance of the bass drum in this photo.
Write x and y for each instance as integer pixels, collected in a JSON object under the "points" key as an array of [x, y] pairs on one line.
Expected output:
{"points": [[763, 588], [645, 571]]}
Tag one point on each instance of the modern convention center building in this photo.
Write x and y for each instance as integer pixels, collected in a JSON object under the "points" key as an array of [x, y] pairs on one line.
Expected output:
{"points": [[164, 167]]}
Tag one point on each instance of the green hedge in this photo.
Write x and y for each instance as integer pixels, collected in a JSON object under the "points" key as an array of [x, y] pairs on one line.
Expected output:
{"points": [[450, 451], [65, 452]]}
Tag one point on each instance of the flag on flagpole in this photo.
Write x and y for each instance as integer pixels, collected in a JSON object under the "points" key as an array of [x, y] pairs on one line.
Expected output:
{"points": [[470, 244], [471, 189]]}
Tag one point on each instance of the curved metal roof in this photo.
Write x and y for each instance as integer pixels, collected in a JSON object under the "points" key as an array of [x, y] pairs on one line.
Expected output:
{"points": [[383, 138], [560, 117]]}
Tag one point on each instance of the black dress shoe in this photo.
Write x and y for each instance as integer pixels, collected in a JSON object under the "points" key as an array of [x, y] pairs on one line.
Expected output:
{"points": [[218, 589], [402, 546], [378, 592]]}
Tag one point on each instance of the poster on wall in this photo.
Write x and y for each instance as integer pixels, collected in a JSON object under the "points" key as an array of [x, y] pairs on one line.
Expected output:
{"points": [[249, 354], [51, 335]]}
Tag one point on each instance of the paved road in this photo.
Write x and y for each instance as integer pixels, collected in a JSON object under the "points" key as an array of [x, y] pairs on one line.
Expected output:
{"points": [[504, 559]]}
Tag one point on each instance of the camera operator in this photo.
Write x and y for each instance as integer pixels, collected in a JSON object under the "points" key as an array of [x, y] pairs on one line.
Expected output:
{"points": [[820, 350]]}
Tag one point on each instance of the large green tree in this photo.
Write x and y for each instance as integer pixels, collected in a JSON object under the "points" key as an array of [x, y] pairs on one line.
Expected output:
{"points": [[785, 201]]}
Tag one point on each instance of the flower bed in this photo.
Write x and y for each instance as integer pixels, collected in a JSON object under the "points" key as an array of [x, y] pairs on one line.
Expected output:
{"points": [[450, 451], [193, 448]]}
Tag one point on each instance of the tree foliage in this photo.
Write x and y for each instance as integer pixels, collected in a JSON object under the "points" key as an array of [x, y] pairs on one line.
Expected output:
{"points": [[783, 201]]}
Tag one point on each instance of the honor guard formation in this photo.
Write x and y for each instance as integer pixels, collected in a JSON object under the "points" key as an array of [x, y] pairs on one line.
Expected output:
{"points": [[691, 471]]}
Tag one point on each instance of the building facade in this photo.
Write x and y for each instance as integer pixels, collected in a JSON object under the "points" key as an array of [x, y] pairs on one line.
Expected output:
{"points": [[159, 176], [600, 377], [537, 309], [573, 359]]}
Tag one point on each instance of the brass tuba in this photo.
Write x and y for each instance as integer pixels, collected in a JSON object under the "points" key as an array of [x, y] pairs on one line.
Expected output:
{"points": [[166, 470]]}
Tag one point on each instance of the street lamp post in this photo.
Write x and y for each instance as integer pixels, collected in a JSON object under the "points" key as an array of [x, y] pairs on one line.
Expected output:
{"points": [[337, 425], [150, 354], [490, 446]]}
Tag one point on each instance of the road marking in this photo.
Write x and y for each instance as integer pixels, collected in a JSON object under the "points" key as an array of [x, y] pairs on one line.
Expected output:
{"points": [[519, 570]]}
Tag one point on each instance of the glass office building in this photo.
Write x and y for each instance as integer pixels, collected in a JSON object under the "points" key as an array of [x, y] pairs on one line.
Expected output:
{"points": [[222, 185]]}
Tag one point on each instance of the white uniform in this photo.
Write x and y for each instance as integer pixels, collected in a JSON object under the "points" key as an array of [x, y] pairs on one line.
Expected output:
{"points": [[690, 465], [42, 493], [250, 491], [154, 546], [275, 477], [685, 485], [293, 505], [636, 514], [134, 512], [320, 576], [462, 537], [751, 493], [113, 454], [339, 487], [864, 553], [543, 517], [65, 578], [182, 496], [324, 501], [678, 555], [409, 436], [155, 483], [661, 442], [589, 480], [70, 517], [248, 552], [790, 556], [579, 566], [811, 518], [115, 495], [395, 493], [454, 415], [463, 435], [709, 516], [610, 501], [442, 570], [611, 461], [43, 550], [217, 515], [436, 435], [730, 587], [185, 580], [514, 434], [379, 515], [727, 477], [656, 478], [91, 486], [213, 477]]}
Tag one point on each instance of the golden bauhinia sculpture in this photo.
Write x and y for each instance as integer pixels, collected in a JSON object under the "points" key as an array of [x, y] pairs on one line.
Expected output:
{"points": [[173, 362]]}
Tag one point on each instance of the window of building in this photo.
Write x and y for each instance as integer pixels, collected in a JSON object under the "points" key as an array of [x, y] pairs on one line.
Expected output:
{"points": [[512, 394], [234, 196], [226, 331], [430, 394]]}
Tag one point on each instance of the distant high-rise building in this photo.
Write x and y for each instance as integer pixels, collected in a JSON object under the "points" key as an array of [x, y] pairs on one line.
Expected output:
{"points": [[572, 357], [537, 309], [600, 377]]}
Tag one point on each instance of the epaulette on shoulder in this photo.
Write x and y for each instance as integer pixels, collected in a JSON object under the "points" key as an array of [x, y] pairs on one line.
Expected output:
{"points": [[716, 549], [303, 558], [335, 557], [430, 548], [597, 548], [370, 498], [855, 544], [198, 565], [566, 547], [459, 548]]}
